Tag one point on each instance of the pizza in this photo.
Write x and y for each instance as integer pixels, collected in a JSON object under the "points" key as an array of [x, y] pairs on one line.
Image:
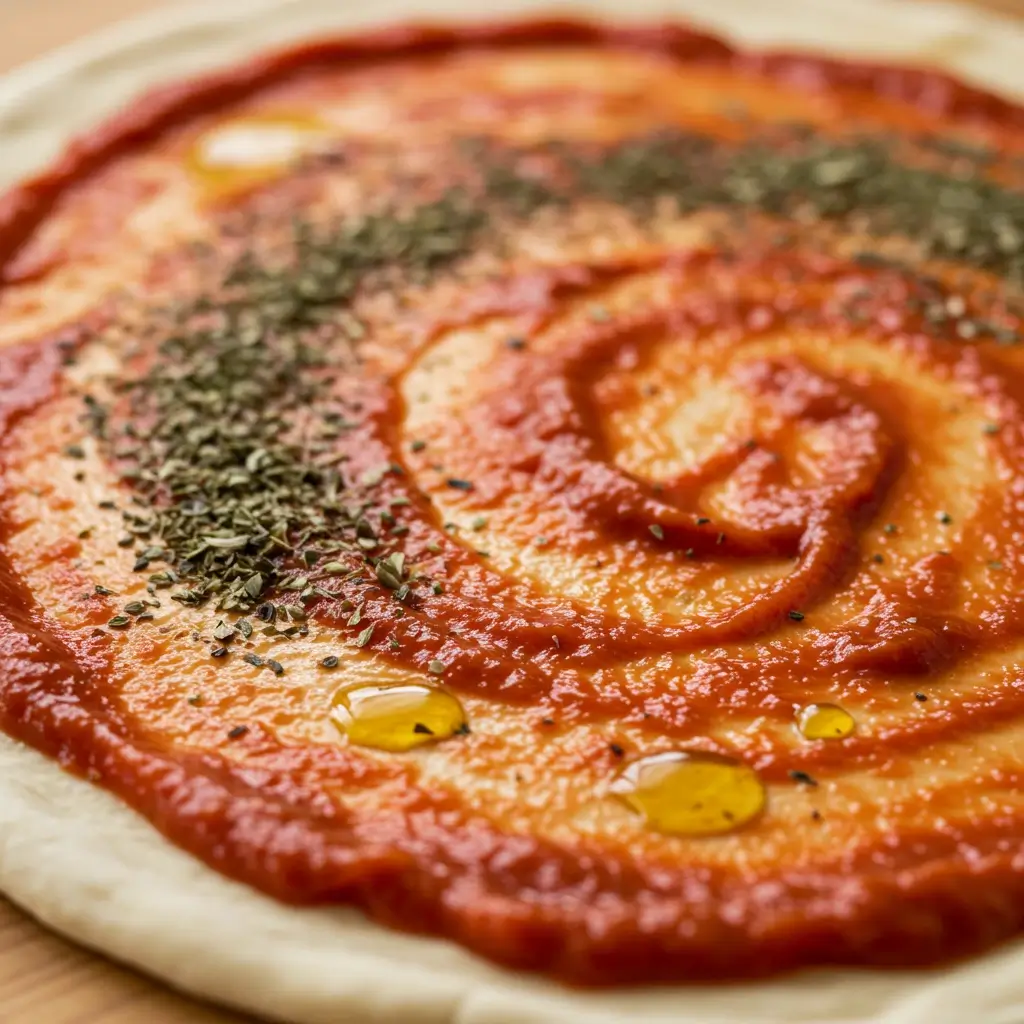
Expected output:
{"points": [[549, 486]]}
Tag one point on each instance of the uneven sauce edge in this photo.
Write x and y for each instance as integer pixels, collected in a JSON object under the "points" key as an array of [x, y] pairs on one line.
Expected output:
{"points": [[324, 857]]}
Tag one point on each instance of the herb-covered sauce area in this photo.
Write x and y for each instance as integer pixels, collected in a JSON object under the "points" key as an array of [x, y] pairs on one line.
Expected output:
{"points": [[534, 474]]}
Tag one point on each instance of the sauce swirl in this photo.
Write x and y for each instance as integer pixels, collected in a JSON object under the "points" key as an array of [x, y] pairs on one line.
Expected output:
{"points": [[609, 504]]}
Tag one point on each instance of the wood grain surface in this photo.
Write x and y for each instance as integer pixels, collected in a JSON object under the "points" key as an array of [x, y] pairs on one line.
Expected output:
{"points": [[43, 979]]}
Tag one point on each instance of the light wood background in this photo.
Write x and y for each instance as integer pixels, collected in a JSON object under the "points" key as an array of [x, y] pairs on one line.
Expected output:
{"points": [[43, 979]]}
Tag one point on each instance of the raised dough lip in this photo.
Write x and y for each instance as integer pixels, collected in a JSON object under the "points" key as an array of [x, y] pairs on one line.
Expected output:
{"points": [[81, 862], [205, 36]]}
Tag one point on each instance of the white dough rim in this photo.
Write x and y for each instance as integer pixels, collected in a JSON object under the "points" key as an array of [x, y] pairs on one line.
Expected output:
{"points": [[85, 865]]}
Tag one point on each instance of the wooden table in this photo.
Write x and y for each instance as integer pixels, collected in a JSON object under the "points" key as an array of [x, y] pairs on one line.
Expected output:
{"points": [[43, 979]]}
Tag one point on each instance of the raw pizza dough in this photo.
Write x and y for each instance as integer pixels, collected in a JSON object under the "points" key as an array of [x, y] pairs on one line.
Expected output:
{"points": [[85, 865]]}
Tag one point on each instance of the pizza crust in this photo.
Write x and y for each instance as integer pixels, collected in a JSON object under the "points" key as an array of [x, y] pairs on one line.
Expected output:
{"points": [[84, 864], [90, 868]]}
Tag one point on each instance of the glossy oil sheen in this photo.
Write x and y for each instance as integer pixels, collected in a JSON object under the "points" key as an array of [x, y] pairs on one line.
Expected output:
{"points": [[691, 793], [825, 722], [397, 718]]}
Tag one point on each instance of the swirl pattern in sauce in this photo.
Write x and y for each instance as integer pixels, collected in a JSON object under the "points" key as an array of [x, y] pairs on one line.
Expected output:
{"points": [[551, 488]]}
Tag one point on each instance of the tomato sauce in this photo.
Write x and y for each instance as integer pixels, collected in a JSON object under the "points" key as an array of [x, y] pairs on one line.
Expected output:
{"points": [[423, 860]]}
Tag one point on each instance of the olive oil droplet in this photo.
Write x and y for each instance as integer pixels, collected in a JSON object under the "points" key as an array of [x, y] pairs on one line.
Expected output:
{"points": [[397, 718], [243, 151], [691, 792], [825, 722]]}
